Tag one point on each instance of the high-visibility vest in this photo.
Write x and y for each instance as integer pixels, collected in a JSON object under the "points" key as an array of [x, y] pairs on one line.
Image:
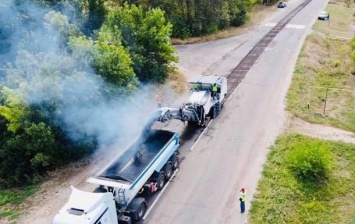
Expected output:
{"points": [[243, 195], [214, 88]]}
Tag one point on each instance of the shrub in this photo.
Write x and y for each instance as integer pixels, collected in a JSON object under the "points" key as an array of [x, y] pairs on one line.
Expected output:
{"points": [[310, 160], [336, 63]]}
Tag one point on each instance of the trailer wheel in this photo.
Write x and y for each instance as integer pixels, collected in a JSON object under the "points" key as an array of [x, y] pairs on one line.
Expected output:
{"points": [[175, 161], [168, 170], [161, 181]]}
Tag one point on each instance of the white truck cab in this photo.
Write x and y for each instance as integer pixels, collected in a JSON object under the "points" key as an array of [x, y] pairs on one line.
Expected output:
{"points": [[87, 208]]}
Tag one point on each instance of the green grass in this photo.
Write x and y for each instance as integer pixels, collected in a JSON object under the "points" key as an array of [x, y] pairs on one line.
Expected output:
{"points": [[9, 214], [283, 198], [339, 24], [11, 198], [322, 90]]}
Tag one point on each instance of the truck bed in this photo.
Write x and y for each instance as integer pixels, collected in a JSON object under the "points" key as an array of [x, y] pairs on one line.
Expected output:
{"points": [[128, 166]]}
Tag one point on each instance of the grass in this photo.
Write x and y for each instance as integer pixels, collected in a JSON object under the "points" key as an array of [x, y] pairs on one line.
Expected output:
{"points": [[177, 81], [282, 198], [11, 198], [322, 90], [341, 16]]}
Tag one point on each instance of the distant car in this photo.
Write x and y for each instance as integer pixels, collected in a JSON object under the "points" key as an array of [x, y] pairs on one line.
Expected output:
{"points": [[323, 15], [281, 5]]}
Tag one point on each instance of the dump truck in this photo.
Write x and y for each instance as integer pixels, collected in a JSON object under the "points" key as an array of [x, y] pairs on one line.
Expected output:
{"points": [[122, 186], [202, 103]]}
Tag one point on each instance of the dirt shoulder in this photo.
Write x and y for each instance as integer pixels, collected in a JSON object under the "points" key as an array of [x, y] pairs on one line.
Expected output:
{"points": [[297, 125]]}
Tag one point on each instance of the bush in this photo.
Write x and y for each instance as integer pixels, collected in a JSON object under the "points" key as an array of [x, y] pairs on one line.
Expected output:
{"points": [[310, 160]]}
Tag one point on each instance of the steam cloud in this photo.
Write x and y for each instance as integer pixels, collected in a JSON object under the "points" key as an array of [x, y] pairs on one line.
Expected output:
{"points": [[41, 71]]}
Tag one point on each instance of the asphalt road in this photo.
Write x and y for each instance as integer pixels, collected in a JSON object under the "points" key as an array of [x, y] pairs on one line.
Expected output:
{"points": [[232, 150]]}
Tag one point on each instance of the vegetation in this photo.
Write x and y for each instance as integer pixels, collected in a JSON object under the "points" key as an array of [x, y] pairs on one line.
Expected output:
{"points": [[189, 18], [310, 161], [14, 197], [145, 34], [284, 198], [323, 81]]}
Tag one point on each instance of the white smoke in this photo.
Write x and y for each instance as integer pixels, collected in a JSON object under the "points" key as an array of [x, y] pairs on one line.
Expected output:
{"points": [[41, 70]]}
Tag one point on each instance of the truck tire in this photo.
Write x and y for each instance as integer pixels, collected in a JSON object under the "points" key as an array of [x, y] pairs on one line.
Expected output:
{"points": [[137, 208], [141, 211], [161, 181], [168, 170], [175, 161], [213, 112]]}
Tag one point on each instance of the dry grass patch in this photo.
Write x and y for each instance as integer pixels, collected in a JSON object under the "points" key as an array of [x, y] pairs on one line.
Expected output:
{"points": [[341, 20], [323, 84], [177, 81]]}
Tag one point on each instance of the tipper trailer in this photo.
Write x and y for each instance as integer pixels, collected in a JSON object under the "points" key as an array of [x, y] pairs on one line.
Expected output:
{"points": [[119, 198]]}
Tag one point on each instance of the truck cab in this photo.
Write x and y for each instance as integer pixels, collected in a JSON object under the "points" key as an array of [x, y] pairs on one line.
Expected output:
{"points": [[87, 208], [204, 83]]}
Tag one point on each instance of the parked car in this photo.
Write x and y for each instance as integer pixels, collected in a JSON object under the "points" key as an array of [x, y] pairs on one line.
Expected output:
{"points": [[323, 15], [281, 5]]}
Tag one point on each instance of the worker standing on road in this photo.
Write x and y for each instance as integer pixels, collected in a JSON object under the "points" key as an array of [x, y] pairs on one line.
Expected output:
{"points": [[242, 198], [214, 90]]}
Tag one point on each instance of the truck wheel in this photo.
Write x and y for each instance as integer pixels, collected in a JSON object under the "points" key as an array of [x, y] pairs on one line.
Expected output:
{"points": [[141, 211], [136, 209], [175, 161], [214, 112], [161, 181], [168, 170]]}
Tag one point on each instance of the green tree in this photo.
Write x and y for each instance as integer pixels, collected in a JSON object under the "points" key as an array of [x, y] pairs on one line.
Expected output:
{"points": [[29, 144], [146, 35], [12, 109], [112, 61], [94, 12]]}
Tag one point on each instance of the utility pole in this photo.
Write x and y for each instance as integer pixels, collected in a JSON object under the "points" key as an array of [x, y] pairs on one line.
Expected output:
{"points": [[325, 101]]}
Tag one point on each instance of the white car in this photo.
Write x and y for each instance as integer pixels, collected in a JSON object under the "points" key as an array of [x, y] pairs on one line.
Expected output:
{"points": [[281, 5], [323, 15]]}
